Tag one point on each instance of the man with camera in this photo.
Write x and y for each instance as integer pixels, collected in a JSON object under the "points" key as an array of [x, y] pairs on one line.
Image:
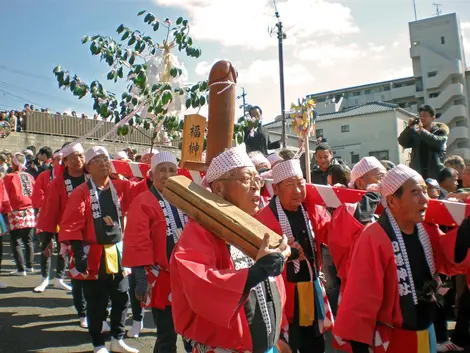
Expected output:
{"points": [[428, 142]]}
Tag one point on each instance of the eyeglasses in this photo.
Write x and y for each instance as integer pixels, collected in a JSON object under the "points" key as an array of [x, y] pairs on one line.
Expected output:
{"points": [[248, 181]]}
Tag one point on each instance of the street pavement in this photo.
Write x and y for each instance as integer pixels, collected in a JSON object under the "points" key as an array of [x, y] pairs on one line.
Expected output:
{"points": [[47, 322]]}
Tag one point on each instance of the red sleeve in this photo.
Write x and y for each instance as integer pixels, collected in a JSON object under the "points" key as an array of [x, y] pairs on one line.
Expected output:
{"points": [[52, 207], [196, 258], [123, 188], [73, 223], [362, 300], [138, 245], [5, 206], [342, 234], [42, 182], [322, 220], [136, 188], [444, 251]]}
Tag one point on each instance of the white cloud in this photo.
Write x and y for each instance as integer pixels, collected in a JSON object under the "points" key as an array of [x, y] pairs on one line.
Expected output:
{"points": [[267, 71], [396, 44], [405, 71], [245, 22], [329, 54]]}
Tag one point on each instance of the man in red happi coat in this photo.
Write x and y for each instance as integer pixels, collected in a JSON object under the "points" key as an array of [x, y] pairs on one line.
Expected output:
{"points": [[92, 225], [45, 178], [58, 192], [153, 228], [307, 307], [349, 220], [19, 186], [4, 209], [390, 299], [223, 301]]}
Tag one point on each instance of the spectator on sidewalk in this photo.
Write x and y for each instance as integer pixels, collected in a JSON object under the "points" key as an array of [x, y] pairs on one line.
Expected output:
{"points": [[457, 163], [428, 142]]}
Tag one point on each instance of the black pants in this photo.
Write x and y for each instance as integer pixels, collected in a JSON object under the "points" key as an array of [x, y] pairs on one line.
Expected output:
{"points": [[461, 335], [46, 239], [79, 301], [306, 339], [97, 295], [333, 282], [137, 310], [166, 334], [17, 236]]}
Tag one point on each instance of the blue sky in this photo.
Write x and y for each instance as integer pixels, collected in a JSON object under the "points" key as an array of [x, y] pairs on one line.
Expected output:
{"points": [[331, 43]]}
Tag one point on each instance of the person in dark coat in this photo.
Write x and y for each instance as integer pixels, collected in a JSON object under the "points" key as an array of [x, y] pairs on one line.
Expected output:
{"points": [[428, 142], [257, 138], [324, 161]]}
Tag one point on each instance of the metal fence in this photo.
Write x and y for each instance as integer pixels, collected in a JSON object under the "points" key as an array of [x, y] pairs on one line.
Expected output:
{"points": [[68, 126]]}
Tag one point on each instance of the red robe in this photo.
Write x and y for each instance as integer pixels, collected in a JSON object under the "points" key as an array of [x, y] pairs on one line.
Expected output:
{"points": [[42, 184], [5, 206], [207, 291], [342, 235], [19, 198], [320, 220], [137, 188], [19, 186], [145, 244], [77, 224], [372, 295]]}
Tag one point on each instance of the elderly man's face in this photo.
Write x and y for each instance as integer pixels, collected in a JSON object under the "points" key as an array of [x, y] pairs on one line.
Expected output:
{"points": [[161, 173], [100, 166], [146, 158], [291, 192], [241, 187], [411, 206], [75, 161], [372, 177]]}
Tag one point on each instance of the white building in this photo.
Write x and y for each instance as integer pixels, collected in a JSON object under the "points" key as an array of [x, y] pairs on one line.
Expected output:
{"points": [[440, 79], [365, 130]]}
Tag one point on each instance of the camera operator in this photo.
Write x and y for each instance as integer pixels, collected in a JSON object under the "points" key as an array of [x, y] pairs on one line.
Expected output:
{"points": [[428, 142]]}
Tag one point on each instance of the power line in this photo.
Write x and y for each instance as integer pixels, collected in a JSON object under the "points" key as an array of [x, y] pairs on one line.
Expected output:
{"points": [[32, 92], [24, 73], [24, 99]]}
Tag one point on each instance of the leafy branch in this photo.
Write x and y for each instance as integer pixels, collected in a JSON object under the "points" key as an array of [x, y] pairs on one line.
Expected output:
{"points": [[127, 58]]}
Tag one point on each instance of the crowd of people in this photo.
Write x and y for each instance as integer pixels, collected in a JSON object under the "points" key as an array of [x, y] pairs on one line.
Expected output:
{"points": [[17, 118], [368, 275]]}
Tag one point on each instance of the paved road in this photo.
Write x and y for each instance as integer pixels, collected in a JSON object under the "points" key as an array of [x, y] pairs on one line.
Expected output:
{"points": [[47, 322]]}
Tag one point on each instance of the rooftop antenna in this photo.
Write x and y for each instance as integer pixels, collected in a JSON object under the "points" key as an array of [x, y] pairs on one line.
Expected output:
{"points": [[281, 35], [438, 8], [414, 7]]}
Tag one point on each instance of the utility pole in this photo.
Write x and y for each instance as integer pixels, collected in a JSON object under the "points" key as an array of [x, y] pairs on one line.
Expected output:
{"points": [[281, 36], [438, 9], [414, 6], [242, 96]]}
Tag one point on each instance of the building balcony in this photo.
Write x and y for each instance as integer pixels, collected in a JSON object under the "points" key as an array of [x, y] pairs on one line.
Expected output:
{"points": [[452, 91], [453, 67], [403, 92], [457, 134], [455, 111]]}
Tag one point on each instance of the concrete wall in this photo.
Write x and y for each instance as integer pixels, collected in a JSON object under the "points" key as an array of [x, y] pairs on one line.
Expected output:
{"points": [[17, 141]]}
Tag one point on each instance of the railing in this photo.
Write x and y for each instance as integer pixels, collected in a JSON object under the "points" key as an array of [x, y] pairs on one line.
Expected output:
{"points": [[68, 126]]}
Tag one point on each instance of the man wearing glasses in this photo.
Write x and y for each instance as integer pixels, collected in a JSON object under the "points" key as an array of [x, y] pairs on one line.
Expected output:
{"points": [[223, 301], [307, 308], [428, 142]]}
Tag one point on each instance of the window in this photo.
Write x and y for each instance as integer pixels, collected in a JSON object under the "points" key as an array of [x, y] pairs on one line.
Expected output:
{"points": [[357, 93], [354, 158], [379, 155], [386, 88], [432, 73], [344, 128], [461, 122], [434, 95], [367, 91], [319, 133], [443, 40]]}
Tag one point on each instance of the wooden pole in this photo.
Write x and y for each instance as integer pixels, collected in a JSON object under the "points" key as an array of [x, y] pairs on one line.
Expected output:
{"points": [[307, 155]]}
